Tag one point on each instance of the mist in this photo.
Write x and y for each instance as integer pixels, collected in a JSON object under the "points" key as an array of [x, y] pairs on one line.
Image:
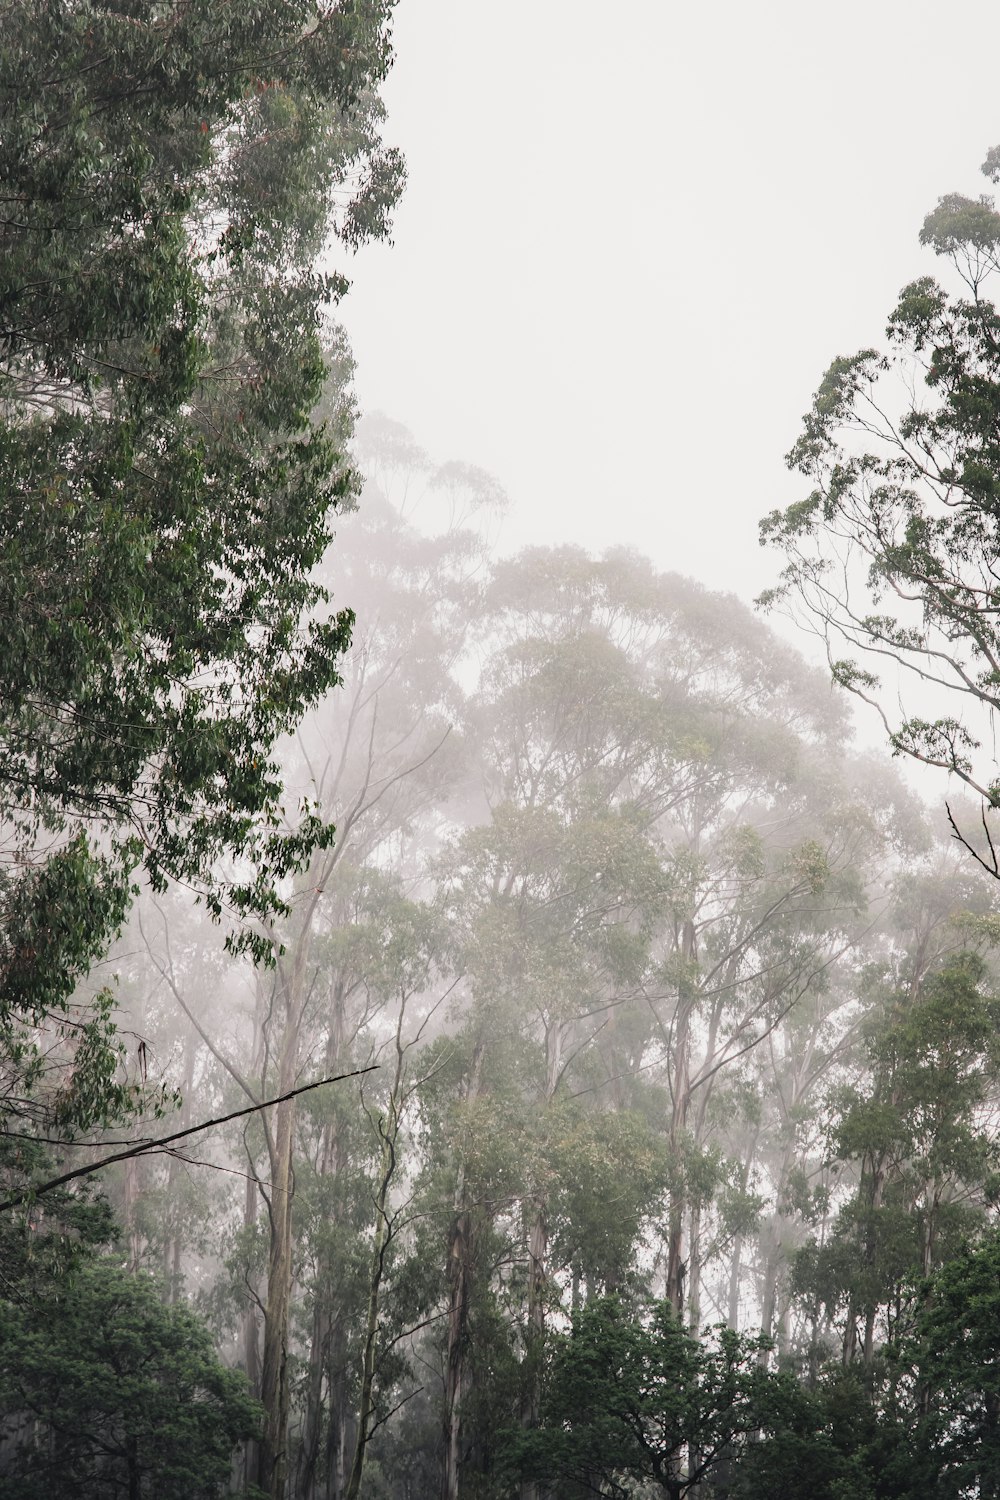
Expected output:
{"points": [[477, 1019]]}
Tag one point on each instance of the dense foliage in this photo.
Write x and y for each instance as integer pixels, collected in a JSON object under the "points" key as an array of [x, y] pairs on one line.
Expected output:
{"points": [[171, 174]]}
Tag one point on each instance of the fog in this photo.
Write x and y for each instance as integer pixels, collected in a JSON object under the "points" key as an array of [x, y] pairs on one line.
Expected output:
{"points": [[475, 1022], [633, 238]]}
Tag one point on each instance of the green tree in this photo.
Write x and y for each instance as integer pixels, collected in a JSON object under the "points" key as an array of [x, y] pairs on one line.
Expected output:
{"points": [[172, 173], [924, 1161], [106, 1392], [633, 1405], [955, 1348], [892, 554]]}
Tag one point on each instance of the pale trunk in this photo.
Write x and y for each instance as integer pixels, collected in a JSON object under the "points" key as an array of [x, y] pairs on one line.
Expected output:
{"points": [[694, 1272], [375, 1283], [458, 1375], [538, 1249], [387, 1166], [456, 1370], [538, 1259], [271, 1467], [130, 1197], [681, 1088]]}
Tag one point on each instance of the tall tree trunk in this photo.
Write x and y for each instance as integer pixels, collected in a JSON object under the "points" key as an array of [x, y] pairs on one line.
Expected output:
{"points": [[460, 1272], [389, 1130], [130, 1197], [531, 1406], [288, 1007], [271, 1469], [694, 1272], [251, 1334], [681, 1090], [340, 1436], [312, 1420], [324, 1318]]}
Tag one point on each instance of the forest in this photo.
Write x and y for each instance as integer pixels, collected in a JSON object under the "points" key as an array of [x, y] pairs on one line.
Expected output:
{"points": [[472, 1025]]}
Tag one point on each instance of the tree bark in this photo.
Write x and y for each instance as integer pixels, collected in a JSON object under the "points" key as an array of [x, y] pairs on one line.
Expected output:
{"points": [[460, 1273]]}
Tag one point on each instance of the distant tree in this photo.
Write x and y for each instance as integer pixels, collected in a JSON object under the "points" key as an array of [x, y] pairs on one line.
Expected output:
{"points": [[893, 553], [914, 1129]]}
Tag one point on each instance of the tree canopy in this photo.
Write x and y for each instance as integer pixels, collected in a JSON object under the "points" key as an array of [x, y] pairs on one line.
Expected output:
{"points": [[891, 557]]}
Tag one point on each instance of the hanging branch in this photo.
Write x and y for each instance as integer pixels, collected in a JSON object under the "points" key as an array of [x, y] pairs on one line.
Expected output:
{"points": [[145, 1147]]}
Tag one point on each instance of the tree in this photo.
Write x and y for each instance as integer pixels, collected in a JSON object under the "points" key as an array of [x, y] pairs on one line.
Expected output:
{"points": [[171, 174], [916, 1128], [107, 1392], [955, 1349], [632, 1402], [893, 553]]}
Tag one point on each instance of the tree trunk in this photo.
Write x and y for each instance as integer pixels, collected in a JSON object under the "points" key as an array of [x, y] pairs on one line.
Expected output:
{"points": [[312, 1420], [460, 1262], [531, 1404], [271, 1467], [389, 1130], [459, 1272], [681, 1090], [694, 1273]]}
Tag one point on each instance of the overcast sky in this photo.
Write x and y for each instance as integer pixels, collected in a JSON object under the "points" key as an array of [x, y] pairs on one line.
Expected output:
{"points": [[635, 233]]}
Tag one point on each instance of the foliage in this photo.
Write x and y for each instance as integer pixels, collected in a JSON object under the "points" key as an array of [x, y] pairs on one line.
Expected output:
{"points": [[108, 1392], [631, 1398], [956, 1349], [893, 552], [173, 171]]}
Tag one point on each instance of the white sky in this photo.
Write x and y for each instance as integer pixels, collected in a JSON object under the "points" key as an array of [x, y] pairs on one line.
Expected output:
{"points": [[635, 233]]}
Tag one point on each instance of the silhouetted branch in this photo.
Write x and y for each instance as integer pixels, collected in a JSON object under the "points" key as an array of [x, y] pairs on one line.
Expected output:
{"points": [[144, 1147]]}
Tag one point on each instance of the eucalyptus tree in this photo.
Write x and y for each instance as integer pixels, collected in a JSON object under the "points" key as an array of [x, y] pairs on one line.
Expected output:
{"points": [[661, 871], [891, 556], [173, 173], [380, 761], [920, 1127]]}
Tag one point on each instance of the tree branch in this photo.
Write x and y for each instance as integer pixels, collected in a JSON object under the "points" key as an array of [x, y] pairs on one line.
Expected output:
{"points": [[144, 1147]]}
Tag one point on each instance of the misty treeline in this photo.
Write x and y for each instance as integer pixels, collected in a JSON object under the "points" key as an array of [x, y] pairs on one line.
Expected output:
{"points": [[685, 1030], [658, 1155]]}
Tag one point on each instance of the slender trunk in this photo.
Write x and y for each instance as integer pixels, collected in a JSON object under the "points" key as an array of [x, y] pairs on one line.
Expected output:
{"points": [[694, 1272], [271, 1468], [312, 1420], [531, 1404], [769, 1291], [736, 1264], [173, 1246], [291, 985], [323, 1317], [538, 1261], [460, 1261], [389, 1130], [340, 1435], [681, 1088], [871, 1252], [129, 1199], [459, 1271], [851, 1335], [251, 1332], [735, 1283]]}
